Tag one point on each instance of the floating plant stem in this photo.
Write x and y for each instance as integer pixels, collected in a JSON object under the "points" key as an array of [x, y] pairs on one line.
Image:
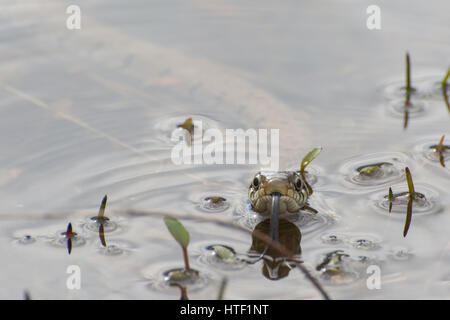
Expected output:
{"points": [[181, 235]]}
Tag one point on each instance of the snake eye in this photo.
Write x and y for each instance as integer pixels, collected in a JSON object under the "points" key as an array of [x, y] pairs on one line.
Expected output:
{"points": [[298, 184], [255, 182]]}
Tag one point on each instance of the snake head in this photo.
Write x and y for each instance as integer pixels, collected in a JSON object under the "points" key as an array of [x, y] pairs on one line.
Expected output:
{"points": [[290, 186]]}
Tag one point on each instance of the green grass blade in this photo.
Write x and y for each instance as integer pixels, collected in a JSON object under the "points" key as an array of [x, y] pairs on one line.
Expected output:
{"points": [[409, 181], [177, 230], [444, 81], [408, 73], [391, 199], [405, 119], [101, 212], [309, 157], [408, 88]]}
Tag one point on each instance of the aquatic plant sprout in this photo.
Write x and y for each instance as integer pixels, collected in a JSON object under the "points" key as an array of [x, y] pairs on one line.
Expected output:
{"points": [[408, 90], [188, 125], [181, 235], [408, 79], [412, 195], [100, 218], [439, 149], [310, 156], [69, 235], [101, 211]]}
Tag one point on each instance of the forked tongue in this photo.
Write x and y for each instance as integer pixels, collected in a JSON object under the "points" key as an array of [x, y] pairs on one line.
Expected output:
{"points": [[274, 216]]}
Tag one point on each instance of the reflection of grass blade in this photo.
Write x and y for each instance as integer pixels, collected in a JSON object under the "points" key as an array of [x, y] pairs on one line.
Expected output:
{"points": [[183, 291], [410, 182], [184, 295], [309, 157], [26, 295], [441, 159], [101, 212], [391, 199], [101, 233], [405, 118], [69, 245], [408, 216], [223, 285]]}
